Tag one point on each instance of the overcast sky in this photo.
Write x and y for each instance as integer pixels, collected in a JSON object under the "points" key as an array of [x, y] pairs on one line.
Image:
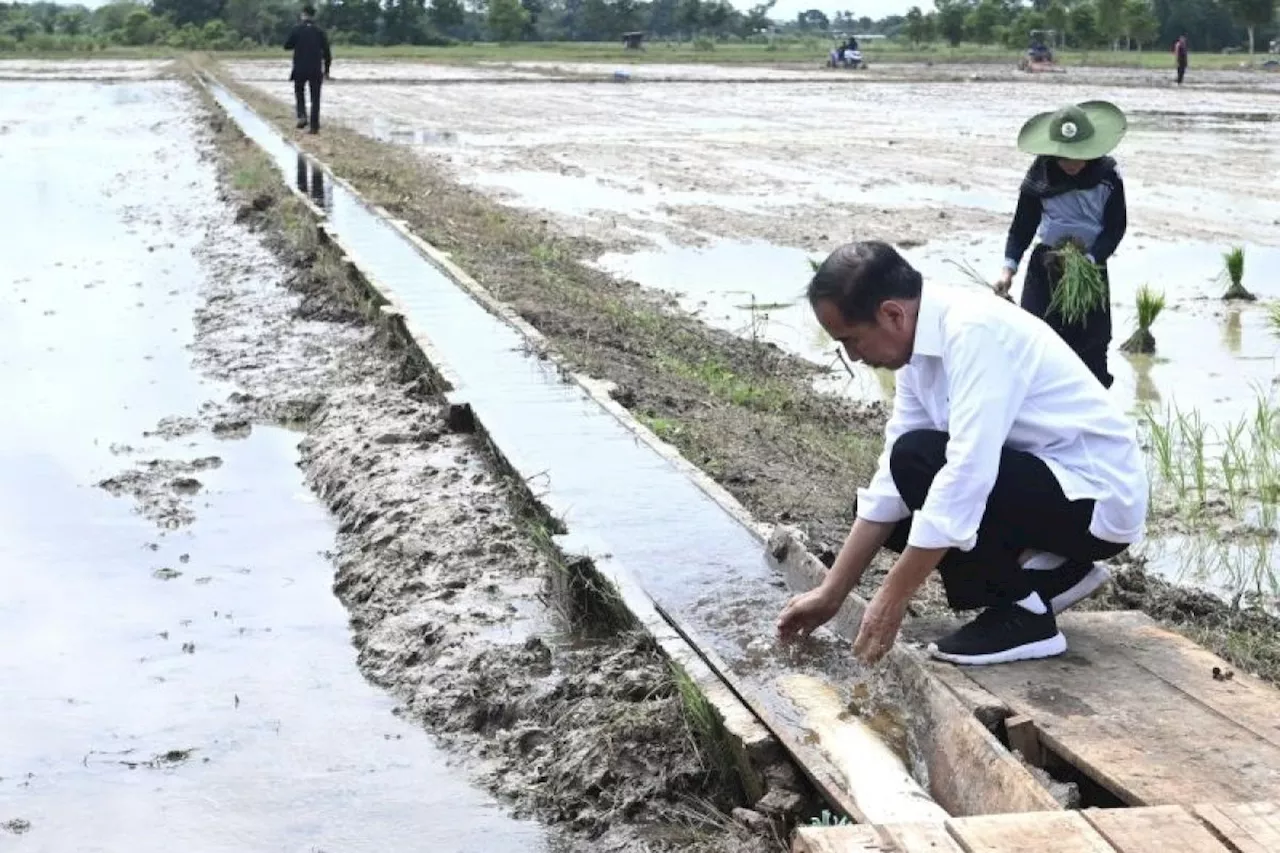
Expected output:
{"points": [[874, 9]]}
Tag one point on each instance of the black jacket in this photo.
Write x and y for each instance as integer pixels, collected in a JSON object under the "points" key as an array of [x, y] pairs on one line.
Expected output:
{"points": [[311, 57]]}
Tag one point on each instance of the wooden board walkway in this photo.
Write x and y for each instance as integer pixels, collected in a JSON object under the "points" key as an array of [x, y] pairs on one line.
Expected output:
{"points": [[1216, 828], [1138, 710]]}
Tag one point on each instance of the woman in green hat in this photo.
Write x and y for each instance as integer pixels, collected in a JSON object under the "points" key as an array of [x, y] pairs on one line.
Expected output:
{"points": [[1072, 193]]}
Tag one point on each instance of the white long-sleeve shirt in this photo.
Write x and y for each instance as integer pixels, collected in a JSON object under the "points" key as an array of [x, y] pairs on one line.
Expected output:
{"points": [[993, 376]]}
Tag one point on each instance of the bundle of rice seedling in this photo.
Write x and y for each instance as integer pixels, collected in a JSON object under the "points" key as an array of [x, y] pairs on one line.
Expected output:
{"points": [[1150, 304], [1080, 286], [1234, 260]]}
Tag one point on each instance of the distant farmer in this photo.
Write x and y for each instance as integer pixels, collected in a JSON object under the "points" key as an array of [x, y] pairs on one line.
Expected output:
{"points": [[1006, 466], [1072, 192], [311, 61], [1180, 57]]}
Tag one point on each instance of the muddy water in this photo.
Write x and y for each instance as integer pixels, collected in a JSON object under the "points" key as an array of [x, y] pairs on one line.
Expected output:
{"points": [[169, 683], [622, 503]]}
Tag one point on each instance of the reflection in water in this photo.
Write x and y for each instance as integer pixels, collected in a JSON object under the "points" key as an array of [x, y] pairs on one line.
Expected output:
{"points": [[1240, 570], [1231, 331], [311, 181], [1145, 390]]}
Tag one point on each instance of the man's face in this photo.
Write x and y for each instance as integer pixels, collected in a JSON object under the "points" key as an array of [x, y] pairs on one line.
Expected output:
{"points": [[1071, 167], [883, 343]]}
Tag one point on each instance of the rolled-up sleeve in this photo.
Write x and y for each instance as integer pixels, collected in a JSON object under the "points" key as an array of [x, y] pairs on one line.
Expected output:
{"points": [[880, 500], [986, 384]]}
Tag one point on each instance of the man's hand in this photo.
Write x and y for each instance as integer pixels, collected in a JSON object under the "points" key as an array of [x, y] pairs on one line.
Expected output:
{"points": [[806, 612], [880, 624]]}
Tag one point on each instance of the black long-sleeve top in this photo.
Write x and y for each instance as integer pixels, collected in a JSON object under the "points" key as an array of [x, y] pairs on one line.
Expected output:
{"points": [[311, 56], [1090, 207]]}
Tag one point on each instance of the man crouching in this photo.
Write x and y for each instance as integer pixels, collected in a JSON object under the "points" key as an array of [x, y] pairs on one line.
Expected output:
{"points": [[1006, 465]]}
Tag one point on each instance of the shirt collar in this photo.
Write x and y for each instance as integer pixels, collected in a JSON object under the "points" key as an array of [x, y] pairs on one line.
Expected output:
{"points": [[928, 339]]}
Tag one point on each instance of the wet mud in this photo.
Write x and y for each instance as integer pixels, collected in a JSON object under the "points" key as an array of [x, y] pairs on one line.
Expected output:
{"points": [[448, 591], [201, 596]]}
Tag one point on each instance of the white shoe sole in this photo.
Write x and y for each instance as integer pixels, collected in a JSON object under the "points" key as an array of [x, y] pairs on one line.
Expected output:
{"points": [[1088, 585], [1052, 647]]}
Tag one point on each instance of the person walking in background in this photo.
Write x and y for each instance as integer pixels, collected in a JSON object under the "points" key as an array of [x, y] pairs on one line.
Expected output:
{"points": [[1071, 193], [311, 61], [1180, 56]]}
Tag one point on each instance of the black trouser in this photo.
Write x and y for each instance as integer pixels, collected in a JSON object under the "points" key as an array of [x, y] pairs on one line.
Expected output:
{"points": [[1089, 338], [299, 85], [1026, 510], [1182, 71]]}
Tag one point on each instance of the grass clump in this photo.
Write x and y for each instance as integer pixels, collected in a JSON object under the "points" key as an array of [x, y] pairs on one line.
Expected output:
{"points": [[1150, 304], [1080, 288], [1234, 271]]}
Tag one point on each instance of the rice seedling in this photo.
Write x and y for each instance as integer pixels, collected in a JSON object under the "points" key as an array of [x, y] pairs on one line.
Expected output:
{"points": [[1161, 442], [1081, 288], [1234, 261], [1273, 317], [1150, 304], [978, 278], [1192, 430]]}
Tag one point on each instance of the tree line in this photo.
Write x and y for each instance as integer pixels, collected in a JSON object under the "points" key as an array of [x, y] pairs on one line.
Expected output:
{"points": [[235, 24]]}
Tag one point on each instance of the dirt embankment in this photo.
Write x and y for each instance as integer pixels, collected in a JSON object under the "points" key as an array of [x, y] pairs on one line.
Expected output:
{"points": [[444, 579]]}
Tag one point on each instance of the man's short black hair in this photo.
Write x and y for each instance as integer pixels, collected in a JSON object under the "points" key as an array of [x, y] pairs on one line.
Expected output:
{"points": [[309, 10], [858, 277]]}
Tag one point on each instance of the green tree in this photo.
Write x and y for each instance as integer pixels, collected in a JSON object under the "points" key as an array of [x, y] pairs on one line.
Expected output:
{"points": [[951, 16], [1082, 25], [919, 27], [689, 16], [1252, 14], [188, 11], [813, 19], [1140, 22], [507, 19], [1055, 17], [139, 27], [73, 20], [982, 20], [446, 14], [1110, 15], [757, 17]]}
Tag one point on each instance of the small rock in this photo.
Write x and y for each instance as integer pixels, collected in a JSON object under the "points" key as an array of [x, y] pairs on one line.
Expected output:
{"points": [[780, 803], [166, 574], [752, 820]]}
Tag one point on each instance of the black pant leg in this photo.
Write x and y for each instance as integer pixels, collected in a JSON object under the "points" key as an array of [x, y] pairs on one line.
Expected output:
{"points": [[1182, 70], [1025, 510], [1089, 339], [314, 83], [299, 98]]}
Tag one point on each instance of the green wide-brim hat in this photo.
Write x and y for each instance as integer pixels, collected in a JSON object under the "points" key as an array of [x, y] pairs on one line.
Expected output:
{"points": [[1080, 132]]}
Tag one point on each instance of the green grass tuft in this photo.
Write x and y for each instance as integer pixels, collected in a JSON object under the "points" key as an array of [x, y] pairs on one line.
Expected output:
{"points": [[1081, 287]]}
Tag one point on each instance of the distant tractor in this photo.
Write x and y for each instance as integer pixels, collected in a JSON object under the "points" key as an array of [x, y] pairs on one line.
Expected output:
{"points": [[1039, 56]]}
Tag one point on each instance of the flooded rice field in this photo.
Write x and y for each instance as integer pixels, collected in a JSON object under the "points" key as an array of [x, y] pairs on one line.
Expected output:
{"points": [[720, 192], [177, 671]]}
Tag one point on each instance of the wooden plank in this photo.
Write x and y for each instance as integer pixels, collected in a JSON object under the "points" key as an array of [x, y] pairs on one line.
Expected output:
{"points": [[841, 839], [1143, 739], [1246, 827], [921, 837], [1242, 698], [1156, 829], [1024, 738], [1042, 832], [970, 772]]}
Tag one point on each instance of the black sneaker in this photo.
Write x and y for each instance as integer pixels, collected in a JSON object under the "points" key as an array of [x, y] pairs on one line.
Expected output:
{"points": [[302, 122], [1069, 584], [1000, 635]]}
